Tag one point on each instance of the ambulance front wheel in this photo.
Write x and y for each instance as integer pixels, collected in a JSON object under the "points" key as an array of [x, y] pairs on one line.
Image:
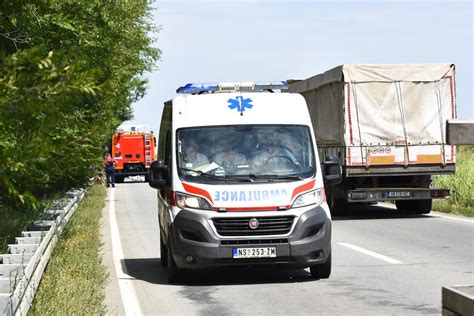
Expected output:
{"points": [[322, 271], [174, 273], [163, 253]]}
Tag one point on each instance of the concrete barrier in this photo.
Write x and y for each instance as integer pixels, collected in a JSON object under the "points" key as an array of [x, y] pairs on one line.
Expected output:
{"points": [[458, 300], [460, 132], [27, 240], [16, 258], [21, 249]]}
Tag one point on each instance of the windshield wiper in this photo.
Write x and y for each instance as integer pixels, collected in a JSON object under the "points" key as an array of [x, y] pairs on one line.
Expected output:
{"points": [[220, 178], [204, 174], [290, 177], [241, 178], [277, 177]]}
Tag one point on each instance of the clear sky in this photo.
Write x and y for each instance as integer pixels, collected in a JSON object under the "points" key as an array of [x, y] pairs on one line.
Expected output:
{"points": [[232, 40]]}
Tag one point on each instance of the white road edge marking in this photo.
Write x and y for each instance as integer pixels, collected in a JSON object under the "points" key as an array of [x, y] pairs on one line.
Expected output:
{"points": [[127, 291], [370, 253], [433, 214], [451, 217]]}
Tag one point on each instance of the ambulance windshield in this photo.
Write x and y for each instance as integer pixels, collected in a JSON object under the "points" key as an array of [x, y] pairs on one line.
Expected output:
{"points": [[245, 153]]}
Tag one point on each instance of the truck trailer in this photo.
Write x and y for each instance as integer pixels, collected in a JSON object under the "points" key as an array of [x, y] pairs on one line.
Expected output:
{"points": [[387, 124], [133, 148]]}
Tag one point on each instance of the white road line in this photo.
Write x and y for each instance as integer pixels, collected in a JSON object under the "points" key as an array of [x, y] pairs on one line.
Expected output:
{"points": [[454, 218], [370, 253], [127, 291], [434, 214]]}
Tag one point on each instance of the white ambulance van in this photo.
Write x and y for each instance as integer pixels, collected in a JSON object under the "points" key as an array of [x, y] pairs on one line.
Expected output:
{"points": [[240, 182]]}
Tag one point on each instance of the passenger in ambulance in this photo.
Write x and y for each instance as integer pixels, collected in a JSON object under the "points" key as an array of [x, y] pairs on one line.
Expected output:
{"points": [[193, 159]]}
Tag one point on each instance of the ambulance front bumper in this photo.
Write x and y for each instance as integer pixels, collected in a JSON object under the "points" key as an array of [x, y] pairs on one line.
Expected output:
{"points": [[197, 243]]}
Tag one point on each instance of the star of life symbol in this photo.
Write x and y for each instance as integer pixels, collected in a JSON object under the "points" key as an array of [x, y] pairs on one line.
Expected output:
{"points": [[240, 104]]}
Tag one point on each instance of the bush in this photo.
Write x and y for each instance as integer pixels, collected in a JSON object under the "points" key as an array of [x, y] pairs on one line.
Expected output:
{"points": [[461, 184]]}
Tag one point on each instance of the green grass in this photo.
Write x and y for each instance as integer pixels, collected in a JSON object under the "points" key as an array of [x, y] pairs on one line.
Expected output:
{"points": [[12, 223], [75, 278], [461, 184]]}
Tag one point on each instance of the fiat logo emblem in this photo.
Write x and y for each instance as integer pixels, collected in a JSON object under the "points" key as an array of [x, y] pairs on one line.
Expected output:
{"points": [[253, 223]]}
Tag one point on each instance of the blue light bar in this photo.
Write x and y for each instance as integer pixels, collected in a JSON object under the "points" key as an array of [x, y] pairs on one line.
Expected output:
{"points": [[192, 88], [195, 88], [275, 85]]}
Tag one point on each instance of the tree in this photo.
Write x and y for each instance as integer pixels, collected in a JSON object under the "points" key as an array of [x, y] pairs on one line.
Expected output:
{"points": [[70, 71]]}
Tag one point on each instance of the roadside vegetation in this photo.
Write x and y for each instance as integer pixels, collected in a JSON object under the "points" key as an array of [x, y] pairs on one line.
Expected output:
{"points": [[69, 72], [13, 222], [461, 184], [75, 278]]}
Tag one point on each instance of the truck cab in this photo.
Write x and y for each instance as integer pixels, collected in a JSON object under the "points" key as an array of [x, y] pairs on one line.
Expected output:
{"points": [[240, 182]]}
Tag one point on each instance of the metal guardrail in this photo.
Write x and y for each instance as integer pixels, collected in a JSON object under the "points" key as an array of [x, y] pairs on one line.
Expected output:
{"points": [[22, 268]]}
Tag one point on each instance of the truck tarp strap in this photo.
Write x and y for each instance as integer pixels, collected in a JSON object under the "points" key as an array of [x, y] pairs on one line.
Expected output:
{"points": [[398, 88], [441, 123], [354, 92]]}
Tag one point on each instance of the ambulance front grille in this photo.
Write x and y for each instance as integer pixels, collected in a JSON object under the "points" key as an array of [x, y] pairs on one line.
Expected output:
{"points": [[253, 242], [239, 226]]}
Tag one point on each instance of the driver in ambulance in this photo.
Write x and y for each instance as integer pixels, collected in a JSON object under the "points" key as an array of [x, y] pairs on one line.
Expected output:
{"points": [[271, 152], [193, 159]]}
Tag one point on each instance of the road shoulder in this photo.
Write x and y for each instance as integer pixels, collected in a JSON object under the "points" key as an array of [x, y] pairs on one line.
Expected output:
{"points": [[113, 300]]}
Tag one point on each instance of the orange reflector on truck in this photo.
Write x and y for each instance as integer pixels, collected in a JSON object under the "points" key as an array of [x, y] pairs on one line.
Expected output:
{"points": [[428, 158], [382, 160]]}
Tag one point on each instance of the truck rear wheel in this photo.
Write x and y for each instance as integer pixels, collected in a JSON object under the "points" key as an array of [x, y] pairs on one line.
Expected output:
{"points": [[338, 206], [322, 271], [119, 178], [416, 206]]}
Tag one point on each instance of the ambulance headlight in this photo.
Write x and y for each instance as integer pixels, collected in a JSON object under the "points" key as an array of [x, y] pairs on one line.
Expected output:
{"points": [[314, 197], [191, 201]]}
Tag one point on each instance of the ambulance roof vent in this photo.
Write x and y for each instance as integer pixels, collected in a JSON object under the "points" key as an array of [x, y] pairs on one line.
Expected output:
{"points": [[200, 88]]}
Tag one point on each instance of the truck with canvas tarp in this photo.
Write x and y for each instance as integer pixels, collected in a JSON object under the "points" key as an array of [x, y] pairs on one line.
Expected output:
{"points": [[387, 124]]}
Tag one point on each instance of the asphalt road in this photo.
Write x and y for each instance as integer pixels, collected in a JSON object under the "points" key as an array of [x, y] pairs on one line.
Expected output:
{"points": [[384, 263]]}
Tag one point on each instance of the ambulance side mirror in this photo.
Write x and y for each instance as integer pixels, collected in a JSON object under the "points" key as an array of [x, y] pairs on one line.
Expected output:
{"points": [[159, 174], [332, 170]]}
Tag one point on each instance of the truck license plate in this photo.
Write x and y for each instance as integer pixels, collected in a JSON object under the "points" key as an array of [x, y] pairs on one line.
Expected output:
{"points": [[398, 194], [263, 252]]}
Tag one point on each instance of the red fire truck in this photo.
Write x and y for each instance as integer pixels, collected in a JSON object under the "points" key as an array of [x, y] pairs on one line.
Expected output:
{"points": [[133, 147]]}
